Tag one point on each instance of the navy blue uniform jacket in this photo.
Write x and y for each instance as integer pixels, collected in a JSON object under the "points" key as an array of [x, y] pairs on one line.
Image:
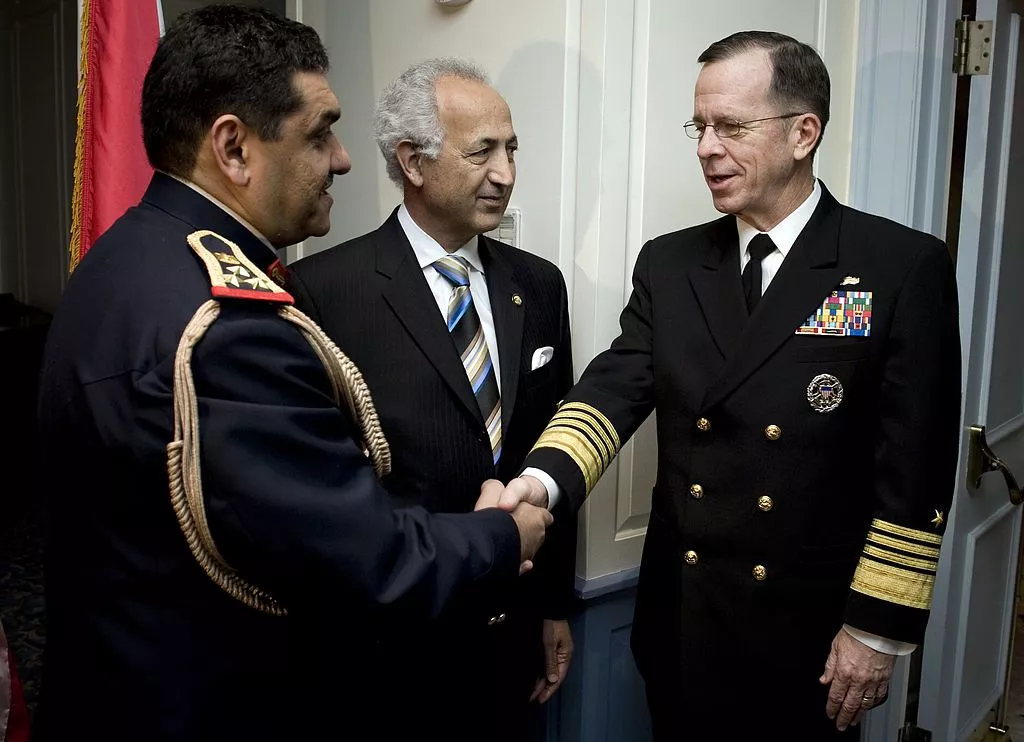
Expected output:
{"points": [[141, 645]]}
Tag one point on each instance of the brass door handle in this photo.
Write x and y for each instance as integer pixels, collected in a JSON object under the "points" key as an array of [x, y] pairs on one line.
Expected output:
{"points": [[981, 460]]}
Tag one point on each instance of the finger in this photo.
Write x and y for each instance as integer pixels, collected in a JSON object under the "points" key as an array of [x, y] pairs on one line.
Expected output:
{"points": [[550, 662], [538, 687], [830, 667], [549, 690], [548, 519], [516, 491], [836, 695], [525, 567], [850, 706]]}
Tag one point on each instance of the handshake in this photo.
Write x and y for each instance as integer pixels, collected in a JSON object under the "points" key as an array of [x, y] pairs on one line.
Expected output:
{"points": [[526, 499]]}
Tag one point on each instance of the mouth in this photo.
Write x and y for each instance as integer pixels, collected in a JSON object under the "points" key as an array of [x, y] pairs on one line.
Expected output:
{"points": [[492, 200], [718, 182]]}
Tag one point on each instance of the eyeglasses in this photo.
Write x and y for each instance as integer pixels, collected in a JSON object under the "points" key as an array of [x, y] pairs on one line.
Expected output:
{"points": [[727, 129]]}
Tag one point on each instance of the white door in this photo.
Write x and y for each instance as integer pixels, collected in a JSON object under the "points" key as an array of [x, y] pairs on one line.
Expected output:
{"points": [[965, 650]]}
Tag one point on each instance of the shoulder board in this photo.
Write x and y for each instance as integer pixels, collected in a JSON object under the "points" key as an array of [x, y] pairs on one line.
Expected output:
{"points": [[232, 274]]}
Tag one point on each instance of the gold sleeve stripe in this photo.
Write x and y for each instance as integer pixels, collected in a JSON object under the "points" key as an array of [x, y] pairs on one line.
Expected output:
{"points": [[928, 565], [907, 546], [575, 446], [906, 533], [893, 584], [586, 436], [585, 425]]}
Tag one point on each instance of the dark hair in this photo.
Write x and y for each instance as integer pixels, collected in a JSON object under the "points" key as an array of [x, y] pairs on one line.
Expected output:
{"points": [[799, 77], [223, 59]]}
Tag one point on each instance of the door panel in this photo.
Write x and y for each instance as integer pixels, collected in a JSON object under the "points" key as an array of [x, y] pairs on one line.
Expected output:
{"points": [[966, 649]]}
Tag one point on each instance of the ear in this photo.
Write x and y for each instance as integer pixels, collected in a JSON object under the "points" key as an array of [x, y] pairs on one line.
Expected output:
{"points": [[411, 162], [805, 134], [229, 140]]}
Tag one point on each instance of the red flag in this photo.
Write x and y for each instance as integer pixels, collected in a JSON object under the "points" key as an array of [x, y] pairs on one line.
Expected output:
{"points": [[111, 171]]}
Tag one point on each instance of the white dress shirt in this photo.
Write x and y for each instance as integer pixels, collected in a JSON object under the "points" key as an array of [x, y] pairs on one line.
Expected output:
{"points": [[428, 251], [783, 234]]}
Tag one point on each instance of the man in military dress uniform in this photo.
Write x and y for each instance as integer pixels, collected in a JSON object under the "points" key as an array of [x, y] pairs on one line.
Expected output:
{"points": [[804, 360], [272, 495]]}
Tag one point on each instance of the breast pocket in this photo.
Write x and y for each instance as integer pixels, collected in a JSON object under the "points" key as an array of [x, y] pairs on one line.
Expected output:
{"points": [[540, 376], [851, 350]]}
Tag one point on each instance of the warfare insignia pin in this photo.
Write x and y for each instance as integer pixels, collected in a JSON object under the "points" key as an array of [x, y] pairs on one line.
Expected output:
{"points": [[824, 393], [939, 519], [850, 281]]}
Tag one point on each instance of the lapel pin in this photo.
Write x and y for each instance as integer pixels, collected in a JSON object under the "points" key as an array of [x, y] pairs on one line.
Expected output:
{"points": [[939, 518], [517, 299], [850, 281]]}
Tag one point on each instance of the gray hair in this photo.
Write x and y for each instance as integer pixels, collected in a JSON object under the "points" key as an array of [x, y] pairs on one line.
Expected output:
{"points": [[407, 110]]}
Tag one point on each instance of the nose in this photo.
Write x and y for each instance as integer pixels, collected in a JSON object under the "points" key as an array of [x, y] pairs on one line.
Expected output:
{"points": [[503, 171], [710, 144], [341, 163]]}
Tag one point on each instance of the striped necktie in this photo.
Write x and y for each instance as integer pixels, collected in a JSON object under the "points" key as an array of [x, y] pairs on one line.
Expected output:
{"points": [[468, 334]]}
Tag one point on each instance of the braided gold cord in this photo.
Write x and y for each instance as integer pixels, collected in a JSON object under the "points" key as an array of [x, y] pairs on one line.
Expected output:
{"points": [[183, 454]]}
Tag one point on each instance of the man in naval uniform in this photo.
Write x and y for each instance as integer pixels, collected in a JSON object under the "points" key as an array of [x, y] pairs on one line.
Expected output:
{"points": [[804, 360]]}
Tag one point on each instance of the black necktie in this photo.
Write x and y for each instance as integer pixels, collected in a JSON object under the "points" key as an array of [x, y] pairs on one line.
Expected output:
{"points": [[759, 248]]}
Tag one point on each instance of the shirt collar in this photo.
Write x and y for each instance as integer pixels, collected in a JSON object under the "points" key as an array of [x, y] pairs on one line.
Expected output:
{"points": [[226, 208], [429, 251], [784, 233]]}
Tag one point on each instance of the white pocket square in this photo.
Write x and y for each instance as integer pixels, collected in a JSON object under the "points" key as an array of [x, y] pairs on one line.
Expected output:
{"points": [[541, 357]]}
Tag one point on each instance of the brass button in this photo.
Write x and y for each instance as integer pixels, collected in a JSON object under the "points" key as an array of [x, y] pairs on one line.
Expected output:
{"points": [[690, 557], [703, 425], [765, 503], [696, 491], [773, 432], [760, 573]]}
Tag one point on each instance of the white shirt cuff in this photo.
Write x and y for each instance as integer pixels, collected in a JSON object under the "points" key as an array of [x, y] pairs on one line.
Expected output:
{"points": [[554, 491], [880, 643]]}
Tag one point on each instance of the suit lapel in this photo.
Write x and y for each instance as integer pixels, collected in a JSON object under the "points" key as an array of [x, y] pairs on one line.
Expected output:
{"points": [[508, 322], [408, 295], [716, 283], [809, 272]]}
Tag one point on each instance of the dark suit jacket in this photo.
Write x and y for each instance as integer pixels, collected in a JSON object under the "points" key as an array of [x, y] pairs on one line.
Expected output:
{"points": [[737, 591], [141, 645], [370, 296]]}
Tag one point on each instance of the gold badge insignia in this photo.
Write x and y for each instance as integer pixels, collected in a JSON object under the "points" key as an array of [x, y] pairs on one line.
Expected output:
{"points": [[824, 393], [850, 281], [517, 300], [939, 519]]}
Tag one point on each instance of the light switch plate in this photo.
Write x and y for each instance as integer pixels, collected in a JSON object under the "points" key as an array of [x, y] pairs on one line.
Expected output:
{"points": [[509, 229]]}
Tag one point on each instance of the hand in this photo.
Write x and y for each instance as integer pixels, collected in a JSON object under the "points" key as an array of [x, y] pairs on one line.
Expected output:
{"points": [[523, 489], [532, 523], [557, 656], [490, 492], [859, 677]]}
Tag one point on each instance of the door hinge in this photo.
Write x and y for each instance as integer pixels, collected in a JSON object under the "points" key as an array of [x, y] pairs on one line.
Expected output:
{"points": [[912, 733], [972, 47]]}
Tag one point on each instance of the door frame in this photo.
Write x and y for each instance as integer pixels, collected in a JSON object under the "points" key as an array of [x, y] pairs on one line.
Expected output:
{"points": [[900, 168]]}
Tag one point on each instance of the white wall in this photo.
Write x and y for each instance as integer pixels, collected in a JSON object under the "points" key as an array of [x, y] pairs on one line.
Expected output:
{"points": [[520, 45]]}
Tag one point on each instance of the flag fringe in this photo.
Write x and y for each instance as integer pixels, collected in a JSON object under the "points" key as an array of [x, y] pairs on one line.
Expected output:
{"points": [[83, 147]]}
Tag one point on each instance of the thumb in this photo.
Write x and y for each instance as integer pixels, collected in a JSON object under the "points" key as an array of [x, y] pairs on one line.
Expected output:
{"points": [[830, 668]]}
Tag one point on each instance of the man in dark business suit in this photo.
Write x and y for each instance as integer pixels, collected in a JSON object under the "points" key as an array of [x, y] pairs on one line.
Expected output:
{"points": [[807, 437], [141, 643], [464, 342]]}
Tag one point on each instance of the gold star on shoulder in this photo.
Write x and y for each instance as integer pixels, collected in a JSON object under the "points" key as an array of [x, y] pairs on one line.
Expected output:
{"points": [[939, 519]]}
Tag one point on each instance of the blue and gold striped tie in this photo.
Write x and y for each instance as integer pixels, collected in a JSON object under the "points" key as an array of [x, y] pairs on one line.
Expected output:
{"points": [[468, 334]]}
